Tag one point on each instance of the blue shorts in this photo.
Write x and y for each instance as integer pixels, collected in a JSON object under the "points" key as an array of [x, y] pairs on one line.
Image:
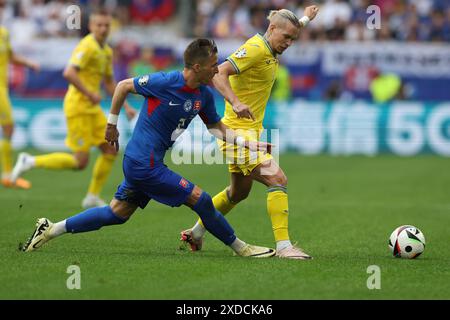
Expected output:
{"points": [[144, 182]]}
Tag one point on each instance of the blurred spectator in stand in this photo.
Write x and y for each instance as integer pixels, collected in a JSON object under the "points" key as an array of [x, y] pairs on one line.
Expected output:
{"points": [[22, 29], [440, 28], [142, 65], [387, 87], [205, 10], [333, 91], [231, 20], [258, 21], [152, 60], [147, 11], [357, 79], [281, 90], [125, 52]]}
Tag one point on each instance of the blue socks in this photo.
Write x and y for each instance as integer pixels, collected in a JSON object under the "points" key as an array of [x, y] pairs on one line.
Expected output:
{"points": [[213, 220], [93, 219]]}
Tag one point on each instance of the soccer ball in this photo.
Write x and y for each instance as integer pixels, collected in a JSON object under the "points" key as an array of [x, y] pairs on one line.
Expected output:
{"points": [[407, 242]]}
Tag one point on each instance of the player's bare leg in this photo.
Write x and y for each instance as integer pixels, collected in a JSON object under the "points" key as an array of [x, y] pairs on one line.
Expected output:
{"points": [[271, 175]]}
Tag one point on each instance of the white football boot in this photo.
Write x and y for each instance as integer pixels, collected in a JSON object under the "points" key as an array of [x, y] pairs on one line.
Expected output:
{"points": [[24, 163], [40, 235], [255, 251], [293, 252]]}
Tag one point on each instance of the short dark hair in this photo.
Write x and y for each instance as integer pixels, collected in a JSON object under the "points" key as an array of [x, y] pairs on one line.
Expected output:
{"points": [[199, 50], [99, 12]]}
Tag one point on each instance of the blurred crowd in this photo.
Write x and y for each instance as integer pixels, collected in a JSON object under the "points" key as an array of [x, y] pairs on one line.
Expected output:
{"points": [[401, 20], [48, 18]]}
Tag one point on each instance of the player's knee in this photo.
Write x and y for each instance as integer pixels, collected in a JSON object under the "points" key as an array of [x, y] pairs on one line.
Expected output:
{"points": [[279, 179], [82, 160], [122, 209], [82, 164], [238, 196], [194, 196], [8, 131], [203, 201]]}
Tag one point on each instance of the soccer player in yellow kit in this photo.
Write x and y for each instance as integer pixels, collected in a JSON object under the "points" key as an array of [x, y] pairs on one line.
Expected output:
{"points": [[7, 55], [246, 80], [89, 65]]}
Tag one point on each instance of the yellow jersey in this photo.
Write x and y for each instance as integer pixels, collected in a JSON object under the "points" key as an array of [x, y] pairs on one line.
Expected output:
{"points": [[256, 67], [94, 62], [5, 53]]}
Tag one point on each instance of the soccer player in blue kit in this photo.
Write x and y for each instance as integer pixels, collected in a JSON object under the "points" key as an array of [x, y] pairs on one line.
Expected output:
{"points": [[172, 100]]}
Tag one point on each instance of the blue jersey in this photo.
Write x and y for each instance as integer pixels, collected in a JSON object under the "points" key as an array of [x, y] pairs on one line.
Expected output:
{"points": [[169, 107]]}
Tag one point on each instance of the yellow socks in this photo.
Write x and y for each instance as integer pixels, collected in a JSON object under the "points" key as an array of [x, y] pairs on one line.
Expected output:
{"points": [[6, 156], [102, 168], [277, 207], [222, 203], [56, 161]]}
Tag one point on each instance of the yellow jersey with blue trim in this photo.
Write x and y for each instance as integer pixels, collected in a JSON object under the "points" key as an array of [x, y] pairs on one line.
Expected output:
{"points": [[94, 62], [256, 67]]}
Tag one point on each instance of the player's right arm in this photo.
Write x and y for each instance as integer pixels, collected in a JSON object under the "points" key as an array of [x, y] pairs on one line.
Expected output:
{"points": [[222, 84], [123, 88], [81, 56], [71, 75]]}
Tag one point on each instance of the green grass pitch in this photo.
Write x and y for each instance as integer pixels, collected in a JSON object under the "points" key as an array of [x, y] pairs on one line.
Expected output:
{"points": [[342, 211]]}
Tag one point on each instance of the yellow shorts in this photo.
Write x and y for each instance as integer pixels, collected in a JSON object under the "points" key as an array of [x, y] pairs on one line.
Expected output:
{"points": [[241, 160], [5, 107], [85, 131]]}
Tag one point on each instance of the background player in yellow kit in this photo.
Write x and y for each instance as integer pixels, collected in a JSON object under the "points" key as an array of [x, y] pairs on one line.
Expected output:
{"points": [[89, 65], [246, 80], [7, 55]]}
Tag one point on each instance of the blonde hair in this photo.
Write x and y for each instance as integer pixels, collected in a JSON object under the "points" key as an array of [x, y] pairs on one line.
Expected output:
{"points": [[285, 14]]}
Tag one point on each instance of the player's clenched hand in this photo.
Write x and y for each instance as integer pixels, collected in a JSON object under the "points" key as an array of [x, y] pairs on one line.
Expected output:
{"points": [[112, 135], [311, 12], [260, 146], [243, 111]]}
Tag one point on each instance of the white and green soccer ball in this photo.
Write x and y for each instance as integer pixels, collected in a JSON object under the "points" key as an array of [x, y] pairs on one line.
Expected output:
{"points": [[407, 242]]}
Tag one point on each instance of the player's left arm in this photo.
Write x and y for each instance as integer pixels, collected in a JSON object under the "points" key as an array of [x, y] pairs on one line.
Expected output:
{"points": [[225, 133], [18, 59], [110, 86], [121, 91]]}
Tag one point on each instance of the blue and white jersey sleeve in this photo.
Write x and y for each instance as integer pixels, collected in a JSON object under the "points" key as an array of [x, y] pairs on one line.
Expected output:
{"points": [[151, 84], [209, 113]]}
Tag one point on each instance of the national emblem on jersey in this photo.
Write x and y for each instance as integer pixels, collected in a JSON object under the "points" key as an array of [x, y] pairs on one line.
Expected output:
{"points": [[187, 105], [197, 106], [242, 52], [184, 183], [143, 80]]}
